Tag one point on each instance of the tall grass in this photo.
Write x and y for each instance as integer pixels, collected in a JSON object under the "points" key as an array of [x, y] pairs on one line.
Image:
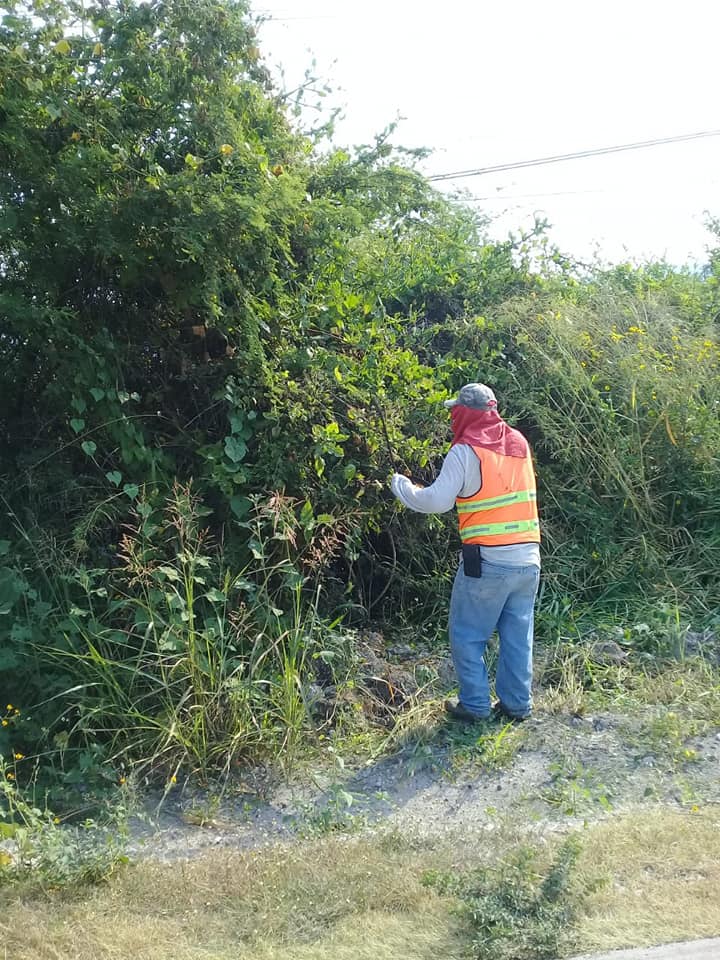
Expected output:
{"points": [[172, 664], [622, 401]]}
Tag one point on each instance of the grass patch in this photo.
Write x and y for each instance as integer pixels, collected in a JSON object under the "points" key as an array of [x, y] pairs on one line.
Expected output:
{"points": [[364, 897], [315, 899], [663, 869]]}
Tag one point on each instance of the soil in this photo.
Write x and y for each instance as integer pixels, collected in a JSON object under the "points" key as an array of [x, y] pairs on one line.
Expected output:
{"points": [[553, 770]]}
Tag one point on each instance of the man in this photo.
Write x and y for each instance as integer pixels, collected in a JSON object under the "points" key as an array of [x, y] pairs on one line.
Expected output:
{"points": [[488, 475]]}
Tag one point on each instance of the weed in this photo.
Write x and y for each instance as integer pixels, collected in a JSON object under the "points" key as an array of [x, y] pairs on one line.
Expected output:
{"points": [[514, 912], [666, 735], [333, 814], [491, 749], [574, 787], [36, 850]]}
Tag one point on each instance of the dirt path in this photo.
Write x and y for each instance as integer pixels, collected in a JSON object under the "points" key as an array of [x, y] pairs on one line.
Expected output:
{"points": [[551, 771]]}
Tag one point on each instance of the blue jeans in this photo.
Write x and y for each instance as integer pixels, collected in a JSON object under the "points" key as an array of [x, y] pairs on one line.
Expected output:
{"points": [[503, 598]]}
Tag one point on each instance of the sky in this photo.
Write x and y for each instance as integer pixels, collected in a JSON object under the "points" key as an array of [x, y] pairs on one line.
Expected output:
{"points": [[483, 82]]}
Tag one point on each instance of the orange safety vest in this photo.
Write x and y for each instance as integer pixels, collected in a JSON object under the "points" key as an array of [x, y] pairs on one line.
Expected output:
{"points": [[504, 510]]}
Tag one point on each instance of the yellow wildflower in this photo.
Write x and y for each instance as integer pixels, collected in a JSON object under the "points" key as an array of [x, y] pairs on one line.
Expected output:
{"points": [[10, 775], [226, 149], [19, 756]]}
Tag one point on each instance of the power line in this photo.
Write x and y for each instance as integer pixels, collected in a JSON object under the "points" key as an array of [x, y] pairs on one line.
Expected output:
{"points": [[580, 154], [501, 197]]}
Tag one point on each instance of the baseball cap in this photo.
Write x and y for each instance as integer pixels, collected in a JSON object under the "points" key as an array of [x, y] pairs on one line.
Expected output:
{"points": [[477, 396]]}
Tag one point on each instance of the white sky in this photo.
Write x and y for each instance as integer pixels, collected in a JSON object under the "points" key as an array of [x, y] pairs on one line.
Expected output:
{"points": [[496, 81]]}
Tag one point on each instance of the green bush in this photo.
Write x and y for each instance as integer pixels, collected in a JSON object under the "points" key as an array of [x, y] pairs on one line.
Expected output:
{"points": [[153, 183]]}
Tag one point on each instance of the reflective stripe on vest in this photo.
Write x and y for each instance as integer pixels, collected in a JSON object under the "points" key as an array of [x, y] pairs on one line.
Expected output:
{"points": [[504, 510], [471, 505], [499, 529]]}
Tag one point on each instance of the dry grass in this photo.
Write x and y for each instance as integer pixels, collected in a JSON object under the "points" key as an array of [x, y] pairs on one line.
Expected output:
{"points": [[664, 876], [362, 898], [330, 898]]}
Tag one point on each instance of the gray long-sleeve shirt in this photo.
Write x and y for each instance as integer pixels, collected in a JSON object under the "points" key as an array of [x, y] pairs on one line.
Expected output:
{"points": [[460, 477]]}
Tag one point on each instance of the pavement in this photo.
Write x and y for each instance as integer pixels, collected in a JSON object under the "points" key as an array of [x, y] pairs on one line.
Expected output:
{"points": [[693, 950]]}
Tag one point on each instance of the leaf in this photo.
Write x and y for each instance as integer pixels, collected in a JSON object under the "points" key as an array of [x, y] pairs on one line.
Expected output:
{"points": [[4, 547], [306, 515], [98, 50], [89, 447], [78, 424], [131, 489], [240, 506], [235, 448], [96, 393], [215, 596], [114, 476], [671, 435], [62, 47]]}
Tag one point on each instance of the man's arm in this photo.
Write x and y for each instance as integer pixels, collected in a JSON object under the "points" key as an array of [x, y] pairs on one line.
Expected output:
{"points": [[440, 496]]}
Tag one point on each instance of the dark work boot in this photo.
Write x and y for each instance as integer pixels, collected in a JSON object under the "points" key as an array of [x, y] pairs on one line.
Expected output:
{"points": [[501, 712], [458, 712]]}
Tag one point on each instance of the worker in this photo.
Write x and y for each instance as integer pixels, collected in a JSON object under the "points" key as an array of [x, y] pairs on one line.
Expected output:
{"points": [[488, 475]]}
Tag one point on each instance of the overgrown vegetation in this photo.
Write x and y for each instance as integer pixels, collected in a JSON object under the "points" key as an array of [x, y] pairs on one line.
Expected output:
{"points": [[186, 537]]}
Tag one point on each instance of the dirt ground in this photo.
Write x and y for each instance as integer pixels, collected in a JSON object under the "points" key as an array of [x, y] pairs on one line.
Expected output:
{"points": [[570, 763]]}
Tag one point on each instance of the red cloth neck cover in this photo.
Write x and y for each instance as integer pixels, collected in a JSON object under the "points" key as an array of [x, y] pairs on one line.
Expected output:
{"points": [[486, 428]]}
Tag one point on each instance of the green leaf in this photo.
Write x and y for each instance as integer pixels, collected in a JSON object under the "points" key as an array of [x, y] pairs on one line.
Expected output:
{"points": [[215, 596], [78, 424], [306, 515], [235, 448], [240, 506], [4, 547], [96, 393], [62, 47], [114, 476], [89, 447], [131, 489]]}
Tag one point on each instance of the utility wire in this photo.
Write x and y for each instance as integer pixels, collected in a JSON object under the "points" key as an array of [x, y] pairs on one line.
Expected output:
{"points": [[598, 152], [615, 191]]}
